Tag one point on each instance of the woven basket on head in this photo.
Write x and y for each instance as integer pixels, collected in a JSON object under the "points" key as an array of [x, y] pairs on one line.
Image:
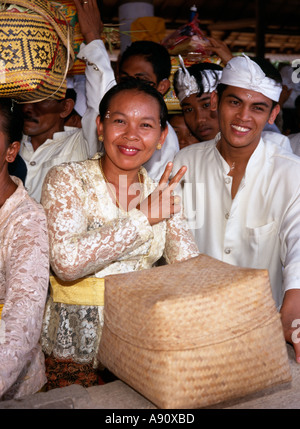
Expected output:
{"points": [[36, 51], [193, 334]]}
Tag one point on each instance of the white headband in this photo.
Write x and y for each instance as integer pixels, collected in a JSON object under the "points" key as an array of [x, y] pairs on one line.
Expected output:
{"points": [[242, 72], [187, 85]]}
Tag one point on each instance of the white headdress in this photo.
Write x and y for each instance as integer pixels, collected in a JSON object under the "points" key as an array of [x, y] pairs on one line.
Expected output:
{"points": [[242, 72], [187, 85]]}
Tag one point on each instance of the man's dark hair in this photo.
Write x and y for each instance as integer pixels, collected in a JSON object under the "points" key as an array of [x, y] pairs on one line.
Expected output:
{"points": [[154, 53]]}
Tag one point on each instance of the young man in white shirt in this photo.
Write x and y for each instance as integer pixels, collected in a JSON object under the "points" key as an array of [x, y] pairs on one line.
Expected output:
{"points": [[241, 191]]}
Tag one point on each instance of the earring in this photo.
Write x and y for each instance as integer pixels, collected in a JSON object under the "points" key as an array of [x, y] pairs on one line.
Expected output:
{"points": [[100, 138], [158, 147]]}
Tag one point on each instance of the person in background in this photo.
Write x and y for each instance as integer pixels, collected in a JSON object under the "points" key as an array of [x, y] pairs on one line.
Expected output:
{"points": [[241, 192], [144, 60], [107, 216], [74, 118], [193, 87], [184, 135], [24, 270], [47, 141]]}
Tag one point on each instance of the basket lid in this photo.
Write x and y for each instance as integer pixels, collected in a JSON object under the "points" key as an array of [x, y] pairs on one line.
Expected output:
{"points": [[187, 304]]}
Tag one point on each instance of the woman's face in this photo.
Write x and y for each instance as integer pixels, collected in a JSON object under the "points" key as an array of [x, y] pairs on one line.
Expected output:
{"points": [[131, 129]]}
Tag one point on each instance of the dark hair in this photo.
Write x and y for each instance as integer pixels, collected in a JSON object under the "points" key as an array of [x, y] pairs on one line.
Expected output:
{"points": [[154, 53], [11, 120], [198, 70], [139, 85], [267, 67]]}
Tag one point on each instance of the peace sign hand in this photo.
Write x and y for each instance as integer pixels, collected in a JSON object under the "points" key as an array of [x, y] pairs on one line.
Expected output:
{"points": [[162, 204]]}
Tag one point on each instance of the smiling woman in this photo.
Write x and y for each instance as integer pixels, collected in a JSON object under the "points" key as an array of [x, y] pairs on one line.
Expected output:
{"points": [[106, 216]]}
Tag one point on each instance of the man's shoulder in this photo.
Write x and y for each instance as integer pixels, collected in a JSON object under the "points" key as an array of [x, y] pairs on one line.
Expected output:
{"points": [[195, 149]]}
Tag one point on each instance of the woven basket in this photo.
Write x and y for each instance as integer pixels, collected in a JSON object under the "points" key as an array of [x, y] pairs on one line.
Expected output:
{"points": [[35, 51], [193, 334], [68, 8]]}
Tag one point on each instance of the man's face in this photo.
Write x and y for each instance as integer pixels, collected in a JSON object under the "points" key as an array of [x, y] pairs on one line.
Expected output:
{"points": [[42, 118], [243, 115], [201, 120], [138, 67]]}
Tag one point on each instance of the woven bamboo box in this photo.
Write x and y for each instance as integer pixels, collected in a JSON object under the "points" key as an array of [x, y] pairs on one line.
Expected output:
{"points": [[193, 334]]}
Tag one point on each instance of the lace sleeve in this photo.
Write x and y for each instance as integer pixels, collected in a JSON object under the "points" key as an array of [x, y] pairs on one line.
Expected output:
{"points": [[180, 243], [27, 276], [83, 237]]}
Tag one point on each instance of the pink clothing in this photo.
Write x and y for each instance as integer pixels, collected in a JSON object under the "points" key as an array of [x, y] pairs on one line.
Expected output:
{"points": [[24, 278]]}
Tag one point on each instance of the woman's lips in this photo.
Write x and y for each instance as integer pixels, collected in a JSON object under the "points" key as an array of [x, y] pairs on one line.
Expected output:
{"points": [[129, 151]]}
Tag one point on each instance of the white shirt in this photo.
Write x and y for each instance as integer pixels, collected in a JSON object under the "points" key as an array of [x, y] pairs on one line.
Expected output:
{"points": [[295, 143], [101, 62], [260, 227]]}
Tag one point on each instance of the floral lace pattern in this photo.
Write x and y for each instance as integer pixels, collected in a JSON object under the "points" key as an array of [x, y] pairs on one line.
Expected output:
{"points": [[24, 279], [90, 236]]}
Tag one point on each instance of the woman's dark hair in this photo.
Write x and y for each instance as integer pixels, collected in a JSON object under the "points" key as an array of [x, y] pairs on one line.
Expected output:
{"points": [[139, 85], [267, 67], [11, 120], [198, 70]]}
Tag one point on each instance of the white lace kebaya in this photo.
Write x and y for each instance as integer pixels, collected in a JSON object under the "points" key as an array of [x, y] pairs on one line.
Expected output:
{"points": [[91, 237], [24, 280]]}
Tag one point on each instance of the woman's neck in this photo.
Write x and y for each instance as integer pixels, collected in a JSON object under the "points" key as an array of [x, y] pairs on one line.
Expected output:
{"points": [[7, 188], [113, 174], [125, 187]]}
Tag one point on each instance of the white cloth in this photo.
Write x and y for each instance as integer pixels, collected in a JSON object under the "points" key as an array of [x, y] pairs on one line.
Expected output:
{"points": [[101, 62], [242, 72], [295, 143], [73, 144], [260, 227], [68, 145], [187, 85]]}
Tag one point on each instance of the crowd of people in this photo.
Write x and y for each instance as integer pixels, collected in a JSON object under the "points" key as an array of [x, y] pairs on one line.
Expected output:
{"points": [[125, 186]]}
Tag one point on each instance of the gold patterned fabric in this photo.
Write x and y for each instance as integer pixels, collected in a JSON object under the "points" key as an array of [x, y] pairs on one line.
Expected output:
{"points": [[35, 50]]}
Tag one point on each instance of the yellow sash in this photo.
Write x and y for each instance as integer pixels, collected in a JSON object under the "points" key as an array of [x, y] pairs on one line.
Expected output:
{"points": [[87, 291], [1, 308]]}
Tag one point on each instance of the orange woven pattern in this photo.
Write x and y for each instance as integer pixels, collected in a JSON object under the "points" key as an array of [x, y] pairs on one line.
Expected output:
{"points": [[193, 334], [33, 52]]}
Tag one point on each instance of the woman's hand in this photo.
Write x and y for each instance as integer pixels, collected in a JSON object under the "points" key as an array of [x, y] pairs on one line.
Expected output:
{"points": [[89, 19], [162, 204]]}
